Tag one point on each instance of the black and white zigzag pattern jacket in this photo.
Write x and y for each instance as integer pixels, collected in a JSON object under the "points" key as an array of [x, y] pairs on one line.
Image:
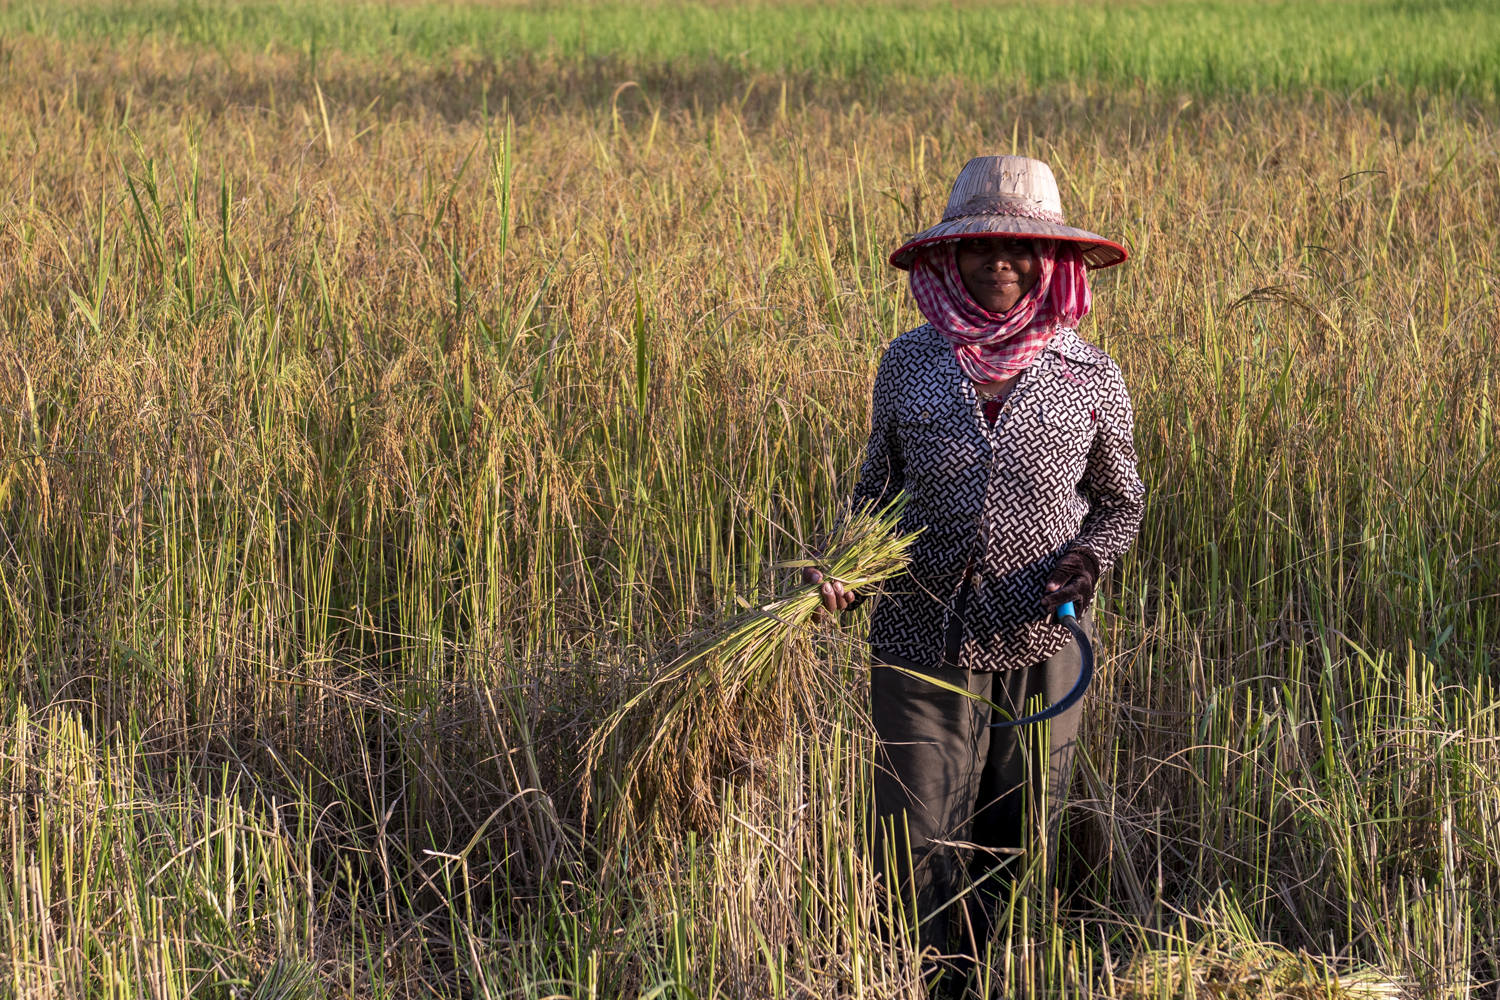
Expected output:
{"points": [[1057, 470]]}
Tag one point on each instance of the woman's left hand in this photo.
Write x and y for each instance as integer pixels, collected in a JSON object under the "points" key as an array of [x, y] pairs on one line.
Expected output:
{"points": [[1072, 579]]}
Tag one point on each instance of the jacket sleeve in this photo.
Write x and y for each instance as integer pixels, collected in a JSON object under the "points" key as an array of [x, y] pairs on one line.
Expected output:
{"points": [[1116, 495], [882, 475]]}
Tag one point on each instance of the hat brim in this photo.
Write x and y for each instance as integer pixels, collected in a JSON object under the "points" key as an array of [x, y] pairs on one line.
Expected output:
{"points": [[1098, 252]]}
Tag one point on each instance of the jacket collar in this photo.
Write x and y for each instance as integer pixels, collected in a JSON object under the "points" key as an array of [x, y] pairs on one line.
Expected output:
{"points": [[1065, 342], [1071, 346]]}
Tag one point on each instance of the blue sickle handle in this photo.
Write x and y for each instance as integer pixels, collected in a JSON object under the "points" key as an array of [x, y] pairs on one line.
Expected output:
{"points": [[1068, 618]]}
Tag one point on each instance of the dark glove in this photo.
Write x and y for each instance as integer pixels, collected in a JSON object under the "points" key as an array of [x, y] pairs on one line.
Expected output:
{"points": [[1074, 576]]}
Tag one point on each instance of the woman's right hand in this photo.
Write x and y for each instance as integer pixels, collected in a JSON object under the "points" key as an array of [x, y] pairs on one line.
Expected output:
{"points": [[835, 597]]}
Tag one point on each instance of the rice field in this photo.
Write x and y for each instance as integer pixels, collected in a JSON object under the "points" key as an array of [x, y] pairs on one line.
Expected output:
{"points": [[388, 391]]}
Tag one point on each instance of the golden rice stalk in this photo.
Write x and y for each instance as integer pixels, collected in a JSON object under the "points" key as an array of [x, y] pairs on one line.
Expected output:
{"points": [[731, 693], [1269, 972], [1229, 961]]}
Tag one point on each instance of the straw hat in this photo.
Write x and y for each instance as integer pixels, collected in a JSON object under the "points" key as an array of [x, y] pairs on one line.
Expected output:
{"points": [[1008, 196]]}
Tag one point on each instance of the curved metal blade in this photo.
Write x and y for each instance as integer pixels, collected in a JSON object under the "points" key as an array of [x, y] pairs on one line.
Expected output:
{"points": [[1067, 619]]}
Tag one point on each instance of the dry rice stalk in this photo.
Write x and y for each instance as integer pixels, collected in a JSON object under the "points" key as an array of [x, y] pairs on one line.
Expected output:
{"points": [[1231, 962], [1260, 972], [731, 693]]}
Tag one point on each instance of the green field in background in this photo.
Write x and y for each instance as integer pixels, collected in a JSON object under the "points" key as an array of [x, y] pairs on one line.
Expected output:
{"points": [[1192, 45]]}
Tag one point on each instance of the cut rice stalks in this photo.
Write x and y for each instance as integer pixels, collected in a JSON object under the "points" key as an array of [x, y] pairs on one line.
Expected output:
{"points": [[1230, 962], [729, 695], [1259, 971]]}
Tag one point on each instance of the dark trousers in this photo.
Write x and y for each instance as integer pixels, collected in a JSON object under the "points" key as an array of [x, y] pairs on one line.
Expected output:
{"points": [[947, 785]]}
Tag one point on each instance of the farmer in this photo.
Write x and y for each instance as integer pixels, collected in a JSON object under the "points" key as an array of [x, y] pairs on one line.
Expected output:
{"points": [[1011, 438]]}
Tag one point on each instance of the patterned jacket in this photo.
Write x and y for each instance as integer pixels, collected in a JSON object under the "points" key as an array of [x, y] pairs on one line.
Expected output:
{"points": [[1057, 470]]}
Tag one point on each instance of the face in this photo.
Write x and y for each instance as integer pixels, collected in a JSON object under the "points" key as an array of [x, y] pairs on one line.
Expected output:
{"points": [[998, 271]]}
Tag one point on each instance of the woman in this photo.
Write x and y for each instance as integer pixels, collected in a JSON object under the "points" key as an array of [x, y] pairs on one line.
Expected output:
{"points": [[1011, 439]]}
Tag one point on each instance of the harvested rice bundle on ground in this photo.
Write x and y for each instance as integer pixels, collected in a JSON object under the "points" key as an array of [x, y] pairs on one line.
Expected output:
{"points": [[1229, 962], [731, 693]]}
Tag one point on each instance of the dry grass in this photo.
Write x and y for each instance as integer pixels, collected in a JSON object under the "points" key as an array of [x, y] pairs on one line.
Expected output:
{"points": [[349, 476]]}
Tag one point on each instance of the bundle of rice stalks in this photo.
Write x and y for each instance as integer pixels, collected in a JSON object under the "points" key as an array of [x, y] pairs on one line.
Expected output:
{"points": [[729, 695], [1261, 972], [1230, 962]]}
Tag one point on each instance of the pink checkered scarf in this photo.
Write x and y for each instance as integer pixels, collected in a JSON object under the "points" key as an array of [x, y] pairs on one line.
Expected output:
{"points": [[991, 347]]}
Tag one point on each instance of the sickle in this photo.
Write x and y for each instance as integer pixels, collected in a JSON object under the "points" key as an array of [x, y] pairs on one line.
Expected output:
{"points": [[1069, 620]]}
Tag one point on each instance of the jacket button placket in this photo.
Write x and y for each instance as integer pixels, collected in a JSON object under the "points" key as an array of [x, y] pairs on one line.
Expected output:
{"points": [[1001, 495]]}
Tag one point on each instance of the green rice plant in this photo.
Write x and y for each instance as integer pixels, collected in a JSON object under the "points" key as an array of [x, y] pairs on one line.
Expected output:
{"points": [[730, 694], [1199, 46]]}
